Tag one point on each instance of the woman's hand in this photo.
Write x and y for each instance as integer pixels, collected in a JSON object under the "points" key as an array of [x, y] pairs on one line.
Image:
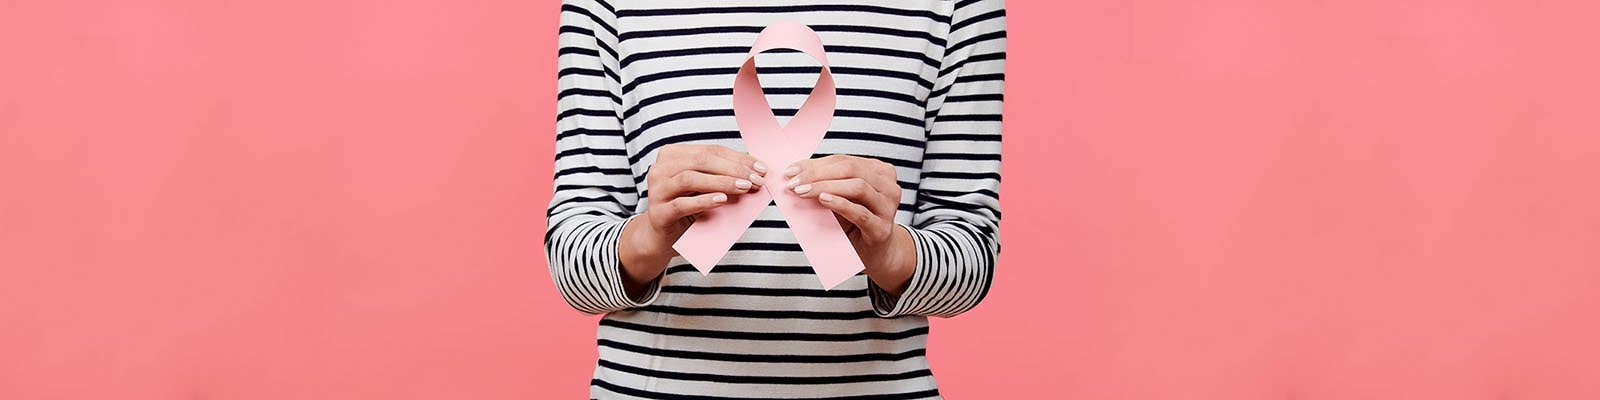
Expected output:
{"points": [[864, 194], [685, 180]]}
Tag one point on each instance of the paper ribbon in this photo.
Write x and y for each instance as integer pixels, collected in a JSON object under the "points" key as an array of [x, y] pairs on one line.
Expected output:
{"points": [[820, 237]]}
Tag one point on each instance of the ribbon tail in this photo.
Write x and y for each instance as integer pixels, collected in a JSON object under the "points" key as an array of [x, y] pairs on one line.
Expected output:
{"points": [[825, 245], [715, 231]]}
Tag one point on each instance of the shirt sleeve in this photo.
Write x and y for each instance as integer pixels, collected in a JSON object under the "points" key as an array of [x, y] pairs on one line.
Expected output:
{"points": [[594, 192], [956, 222]]}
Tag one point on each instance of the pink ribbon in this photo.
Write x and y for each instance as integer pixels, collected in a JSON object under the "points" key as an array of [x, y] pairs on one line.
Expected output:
{"points": [[820, 237]]}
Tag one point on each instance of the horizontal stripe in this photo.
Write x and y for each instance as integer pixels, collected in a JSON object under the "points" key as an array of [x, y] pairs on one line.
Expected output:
{"points": [[763, 379], [728, 72], [766, 336], [763, 358], [922, 394], [765, 291], [820, 28], [697, 11], [759, 314]]}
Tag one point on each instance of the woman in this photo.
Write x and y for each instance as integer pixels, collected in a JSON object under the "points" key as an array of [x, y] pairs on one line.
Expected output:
{"points": [[646, 140]]}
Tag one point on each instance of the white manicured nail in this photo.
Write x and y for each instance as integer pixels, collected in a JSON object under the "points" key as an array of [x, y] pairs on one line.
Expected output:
{"points": [[802, 189], [762, 168], [792, 182], [825, 197], [719, 198], [741, 184]]}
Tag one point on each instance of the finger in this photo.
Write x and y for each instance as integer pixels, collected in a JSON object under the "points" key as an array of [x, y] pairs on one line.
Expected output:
{"points": [[868, 223], [688, 183], [690, 205], [802, 165], [880, 175], [672, 158], [717, 163], [817, 169], [856, 190], [814, 169], [725, 161], [740, 158]]}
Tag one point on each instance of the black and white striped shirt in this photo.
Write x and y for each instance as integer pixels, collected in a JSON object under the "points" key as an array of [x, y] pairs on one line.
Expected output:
{"points": [[919, 86]]}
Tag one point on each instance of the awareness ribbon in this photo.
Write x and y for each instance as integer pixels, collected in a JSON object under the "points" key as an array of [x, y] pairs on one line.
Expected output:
{"points": [[820, 237]]}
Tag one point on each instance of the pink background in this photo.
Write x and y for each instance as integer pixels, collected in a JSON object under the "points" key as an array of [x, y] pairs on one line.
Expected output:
{"points": [[1204, 200]]}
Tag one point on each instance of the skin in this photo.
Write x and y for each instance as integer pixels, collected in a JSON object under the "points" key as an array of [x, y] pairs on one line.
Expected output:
{"points": [[688, 179]]}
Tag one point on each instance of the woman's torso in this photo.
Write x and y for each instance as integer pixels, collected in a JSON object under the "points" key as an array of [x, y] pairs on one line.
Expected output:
{"points": [[759, 325]]}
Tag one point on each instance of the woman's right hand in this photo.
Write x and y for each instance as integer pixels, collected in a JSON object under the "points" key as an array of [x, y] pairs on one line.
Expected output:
{"points": [[685, 180]]}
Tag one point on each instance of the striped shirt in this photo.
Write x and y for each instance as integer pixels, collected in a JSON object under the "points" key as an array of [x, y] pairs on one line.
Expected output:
{"points": [[919, 86]]}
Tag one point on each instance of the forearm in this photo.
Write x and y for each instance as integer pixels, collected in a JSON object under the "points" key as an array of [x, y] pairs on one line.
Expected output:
{"points": [[891, 266], [642, 262]]}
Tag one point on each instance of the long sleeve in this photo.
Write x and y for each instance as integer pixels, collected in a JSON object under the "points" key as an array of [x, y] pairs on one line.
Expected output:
{"points": [[956, 222], [594, 189]]}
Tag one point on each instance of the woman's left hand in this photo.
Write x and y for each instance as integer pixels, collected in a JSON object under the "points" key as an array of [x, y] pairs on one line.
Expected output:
{"points": [[864, 194]]}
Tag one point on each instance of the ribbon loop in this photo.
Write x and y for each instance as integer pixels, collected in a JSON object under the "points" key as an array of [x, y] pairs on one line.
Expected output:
{"points": [[821, 238]]}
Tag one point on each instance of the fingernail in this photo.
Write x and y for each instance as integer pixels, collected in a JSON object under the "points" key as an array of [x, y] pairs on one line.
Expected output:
{"points": [[719, 197], [762, 168], [741, 184], [825, 197], [802, 189], [791, 171], [792, 182]]}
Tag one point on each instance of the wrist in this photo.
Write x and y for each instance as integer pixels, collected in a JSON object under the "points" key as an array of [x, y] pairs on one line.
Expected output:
{"points": [[642, 254], [896, 263]]}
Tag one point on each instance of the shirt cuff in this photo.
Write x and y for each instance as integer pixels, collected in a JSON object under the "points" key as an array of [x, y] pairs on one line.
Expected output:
{"points": [[950, 277]]}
